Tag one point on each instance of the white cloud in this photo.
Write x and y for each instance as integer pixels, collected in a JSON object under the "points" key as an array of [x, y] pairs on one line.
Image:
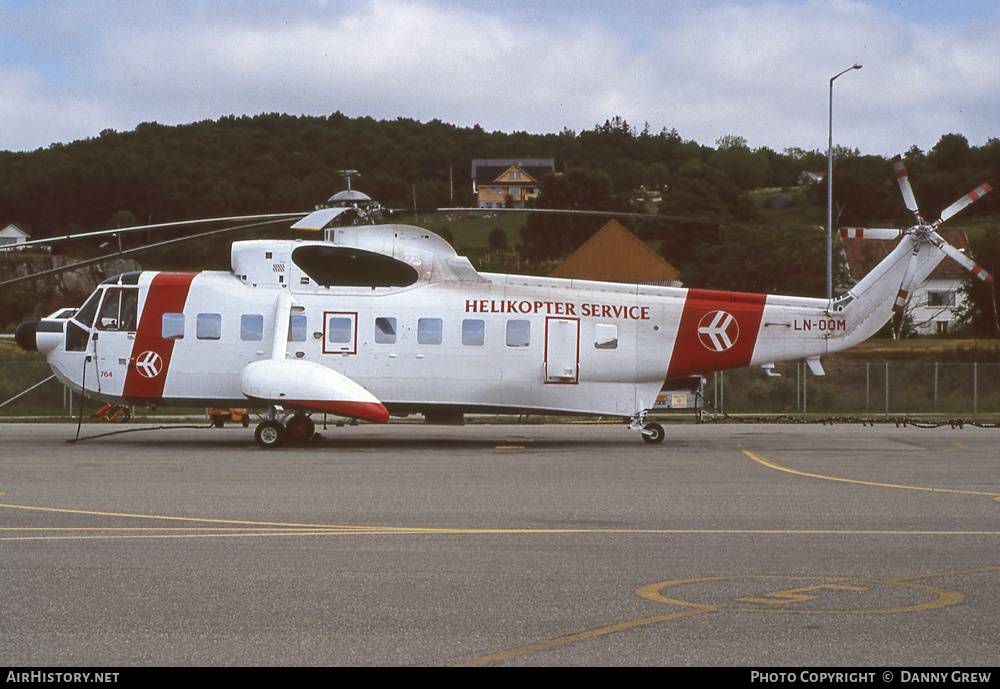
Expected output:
{"points": [[757, 69]]}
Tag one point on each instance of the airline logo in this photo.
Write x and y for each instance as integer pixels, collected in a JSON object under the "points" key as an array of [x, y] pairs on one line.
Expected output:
{"points": [[718, 331], [167, 293], [149, 364]]}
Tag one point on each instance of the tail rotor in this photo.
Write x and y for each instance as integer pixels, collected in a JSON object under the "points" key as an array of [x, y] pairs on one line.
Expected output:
{"points": [[922, 234]]}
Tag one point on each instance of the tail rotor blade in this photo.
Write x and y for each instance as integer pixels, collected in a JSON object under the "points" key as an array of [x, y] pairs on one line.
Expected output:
{"points": [[904, 185], [966, 200], [869, 233]]}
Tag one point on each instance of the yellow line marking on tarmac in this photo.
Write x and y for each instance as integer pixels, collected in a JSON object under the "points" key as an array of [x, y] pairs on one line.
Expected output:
{"points": [[945, 598], [242, 527], [774, 465], [248, 528], [580, 636]]}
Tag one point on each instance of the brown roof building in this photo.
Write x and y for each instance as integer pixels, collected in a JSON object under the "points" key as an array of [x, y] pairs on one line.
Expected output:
{"points": [[614, 254]]}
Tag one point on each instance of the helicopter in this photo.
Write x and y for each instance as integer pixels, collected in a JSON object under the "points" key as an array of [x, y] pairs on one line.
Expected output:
{"points": [[372, 320]]}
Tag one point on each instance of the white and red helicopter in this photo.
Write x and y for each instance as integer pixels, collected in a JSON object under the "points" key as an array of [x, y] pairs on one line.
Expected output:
{"points": [[380, 319]]}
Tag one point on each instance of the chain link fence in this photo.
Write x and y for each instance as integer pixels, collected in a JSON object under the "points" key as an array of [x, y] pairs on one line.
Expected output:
{"points": [[865, 389]]}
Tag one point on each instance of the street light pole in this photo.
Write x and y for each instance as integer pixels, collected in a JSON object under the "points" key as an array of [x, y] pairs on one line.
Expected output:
{"points": [[829, 192]]}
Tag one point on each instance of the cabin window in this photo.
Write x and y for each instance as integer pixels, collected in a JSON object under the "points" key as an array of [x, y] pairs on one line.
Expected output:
{"points": [[208, 326], [429, 331], [473, 332], [605, 336], [172, 327], [340, 330], [518, 333], [251, 327], [297, 328], [385, 331]]}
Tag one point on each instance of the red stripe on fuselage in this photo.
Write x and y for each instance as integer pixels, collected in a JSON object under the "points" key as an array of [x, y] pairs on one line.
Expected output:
{"points": [[722, 343], [167, 293]]}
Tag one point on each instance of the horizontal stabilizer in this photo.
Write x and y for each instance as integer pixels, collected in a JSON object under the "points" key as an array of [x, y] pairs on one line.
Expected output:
{"points": [[815, 367], [298, 383]]}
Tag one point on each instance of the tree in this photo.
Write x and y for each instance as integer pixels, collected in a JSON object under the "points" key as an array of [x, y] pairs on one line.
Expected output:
{"points": [[864, 192], [122, 218], [981, 298], [546, 236], [497, 239]]}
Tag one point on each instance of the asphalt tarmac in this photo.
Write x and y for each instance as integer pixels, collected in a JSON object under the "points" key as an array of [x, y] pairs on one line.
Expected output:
{"points": [[746, 545]]}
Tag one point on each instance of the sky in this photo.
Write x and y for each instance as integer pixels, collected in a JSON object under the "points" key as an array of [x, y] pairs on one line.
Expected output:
{"points": [[756, 69]]}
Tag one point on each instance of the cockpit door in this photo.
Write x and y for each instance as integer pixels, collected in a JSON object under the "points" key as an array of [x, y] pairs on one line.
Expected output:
{"points": [[114, 335]]}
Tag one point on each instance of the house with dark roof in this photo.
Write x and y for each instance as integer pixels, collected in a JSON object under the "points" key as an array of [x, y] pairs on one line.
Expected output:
{"points": [[935, 304], [508, 182]]}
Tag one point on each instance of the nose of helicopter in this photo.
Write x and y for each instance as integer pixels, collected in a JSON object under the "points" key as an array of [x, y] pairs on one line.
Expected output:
{"points": [[39, 336], [25, 334]]}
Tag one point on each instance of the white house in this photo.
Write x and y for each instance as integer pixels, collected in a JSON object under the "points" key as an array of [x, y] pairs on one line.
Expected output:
{"points": [[12, 235]]}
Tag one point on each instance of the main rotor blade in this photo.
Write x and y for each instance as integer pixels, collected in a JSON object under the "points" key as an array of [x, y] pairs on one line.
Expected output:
{"points": [[157, 245], [904, 185], [869, 233], [637, 216], [269, 217], [960, 258], [966, 200]]}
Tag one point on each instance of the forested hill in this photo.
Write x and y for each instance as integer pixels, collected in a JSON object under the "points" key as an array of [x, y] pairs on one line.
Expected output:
{"points": [[272, 163]]}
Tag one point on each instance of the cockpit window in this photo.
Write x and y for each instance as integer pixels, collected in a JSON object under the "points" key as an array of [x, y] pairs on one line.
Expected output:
{"points": [[119, 311], [85, 316]]}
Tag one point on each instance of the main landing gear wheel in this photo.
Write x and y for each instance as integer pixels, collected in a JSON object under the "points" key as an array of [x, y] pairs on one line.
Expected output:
{"points": [[300, 428], [653, 433], [269, 434]]}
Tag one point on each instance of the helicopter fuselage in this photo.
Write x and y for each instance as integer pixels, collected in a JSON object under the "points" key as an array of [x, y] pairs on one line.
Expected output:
{"points": [[388, 319]]}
